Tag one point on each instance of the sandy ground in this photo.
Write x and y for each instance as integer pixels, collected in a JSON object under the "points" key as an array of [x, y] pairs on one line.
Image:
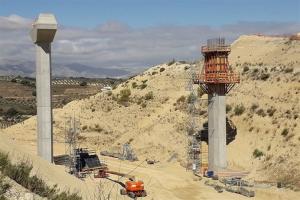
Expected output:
{"points": [[171, 181], [156, 127], [162, 180]]}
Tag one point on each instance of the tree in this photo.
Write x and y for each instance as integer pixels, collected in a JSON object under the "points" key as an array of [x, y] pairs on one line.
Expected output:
{"points": [[83, 83], [34, 93], [11, 112]]}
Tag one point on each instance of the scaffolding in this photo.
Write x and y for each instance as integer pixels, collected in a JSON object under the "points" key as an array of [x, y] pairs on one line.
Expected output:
{"points": [[193, 144], [72, 129], [127, 153]]}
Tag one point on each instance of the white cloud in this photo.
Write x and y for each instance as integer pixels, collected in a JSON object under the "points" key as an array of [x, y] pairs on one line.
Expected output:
{"points": [[13, 22], [114, 44]]}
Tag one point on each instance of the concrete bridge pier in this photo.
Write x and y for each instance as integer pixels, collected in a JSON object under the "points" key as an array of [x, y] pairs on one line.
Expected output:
{"points": [[217, 132], [42, 34]]}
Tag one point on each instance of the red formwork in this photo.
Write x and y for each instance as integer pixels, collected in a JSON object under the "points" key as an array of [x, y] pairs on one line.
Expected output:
{"points": [[216, 68]]}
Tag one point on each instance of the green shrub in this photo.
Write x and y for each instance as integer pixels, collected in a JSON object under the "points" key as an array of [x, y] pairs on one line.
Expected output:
{"points": [[143, 86], [3, 186], [83, 83], [228, 108], [84, 127], [285, 131], [154, 72], [139, 101], [171, 62], [25, 82], [181, 99], [257, 153], [20, 173], [124, 95], [99, 129], [255, 71], [11, 112], [271, 111], [65, 101], [149, 95], [134, 85], [245, 69], [4, 161], [264, 76], [109, 93], [144, 105], [254, 106], [288, 70], [261, 112], [239, 109], [161, 69], [33, 93]]}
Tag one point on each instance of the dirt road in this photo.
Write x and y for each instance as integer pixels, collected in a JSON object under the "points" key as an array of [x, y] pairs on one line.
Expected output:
{"points": [[171, 181]]}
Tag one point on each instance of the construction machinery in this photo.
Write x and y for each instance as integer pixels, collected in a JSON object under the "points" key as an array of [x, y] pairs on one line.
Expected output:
{"points": [[80, 162], [131, 188], [134, 189]]}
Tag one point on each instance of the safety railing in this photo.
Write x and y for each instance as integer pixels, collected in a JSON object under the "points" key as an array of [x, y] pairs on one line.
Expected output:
{"points": [[218, 78], [215, 48]]}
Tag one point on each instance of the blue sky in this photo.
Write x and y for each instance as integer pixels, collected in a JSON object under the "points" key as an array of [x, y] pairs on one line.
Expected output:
{"points": [[143, 13], [135, 34]]}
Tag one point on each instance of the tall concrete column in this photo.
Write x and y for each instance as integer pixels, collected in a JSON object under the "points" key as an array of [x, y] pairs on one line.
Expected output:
{"points": [[216, 132], [217, 79], [42, 34]]}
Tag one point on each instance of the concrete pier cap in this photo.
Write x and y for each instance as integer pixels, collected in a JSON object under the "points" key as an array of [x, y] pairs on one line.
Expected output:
{"points": [[44, 28], [42, 35]]}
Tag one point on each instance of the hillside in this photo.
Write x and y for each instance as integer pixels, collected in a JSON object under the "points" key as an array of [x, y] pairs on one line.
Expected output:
{"points": [[18, 101], [269, 92], [49, 173], [153, 118], [27, 68]]}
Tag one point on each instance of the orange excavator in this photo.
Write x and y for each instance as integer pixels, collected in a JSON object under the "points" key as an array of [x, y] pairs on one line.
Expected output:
{"points": [[131, 188]]}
